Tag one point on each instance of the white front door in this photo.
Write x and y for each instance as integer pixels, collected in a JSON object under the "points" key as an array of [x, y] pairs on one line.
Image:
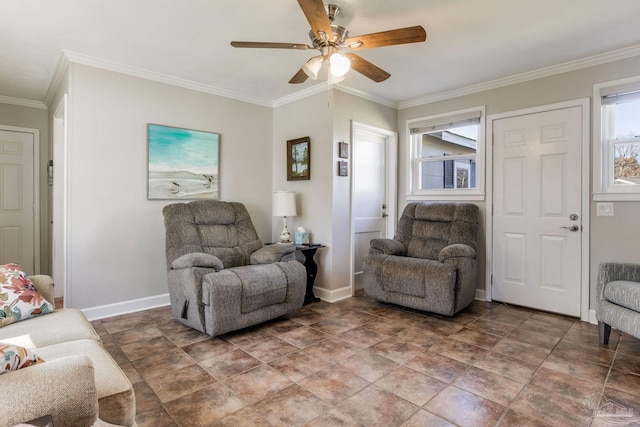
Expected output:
{"points": [[17, 199], [373, 196], [537, 221]]}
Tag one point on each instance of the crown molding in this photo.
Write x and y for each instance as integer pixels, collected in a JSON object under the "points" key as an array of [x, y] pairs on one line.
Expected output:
{"points": [[22, 102], [61, 69], [616, 55], [79, 58], [368, 96], [301, 94], [323, 87]]}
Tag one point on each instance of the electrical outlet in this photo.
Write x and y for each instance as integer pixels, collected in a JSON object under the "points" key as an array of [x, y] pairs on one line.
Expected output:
{"points": [[604, 209]]}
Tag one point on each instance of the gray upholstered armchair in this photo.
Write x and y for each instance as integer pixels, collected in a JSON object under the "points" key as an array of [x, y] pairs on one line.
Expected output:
{"points": [[221, 277], [430, 264], [618, 299]]}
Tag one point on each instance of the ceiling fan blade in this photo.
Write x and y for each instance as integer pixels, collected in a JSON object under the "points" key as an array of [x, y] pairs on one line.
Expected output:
{"points": [[317, 17], [269, 45], [300, 77], [366, 68], [387, 38]]}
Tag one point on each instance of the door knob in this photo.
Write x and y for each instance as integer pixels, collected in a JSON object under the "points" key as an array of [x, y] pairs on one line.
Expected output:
{"points": [[384, 215], [573, 228]]}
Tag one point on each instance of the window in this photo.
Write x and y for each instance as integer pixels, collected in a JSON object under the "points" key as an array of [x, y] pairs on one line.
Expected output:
{"points": [[446, 156], [617, 133]]}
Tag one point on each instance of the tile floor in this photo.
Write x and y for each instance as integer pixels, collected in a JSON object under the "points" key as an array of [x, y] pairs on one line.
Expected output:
{"points": [[361, 363]]}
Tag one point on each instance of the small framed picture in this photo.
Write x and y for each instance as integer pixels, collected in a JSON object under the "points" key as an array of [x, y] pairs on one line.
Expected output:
{"points": [[343, 168], [299, 159], [343, 150]]}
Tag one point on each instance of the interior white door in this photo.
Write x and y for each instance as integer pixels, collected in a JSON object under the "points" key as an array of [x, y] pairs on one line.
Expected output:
{"points": [[537, 206], [17, 199], [370, 198]]}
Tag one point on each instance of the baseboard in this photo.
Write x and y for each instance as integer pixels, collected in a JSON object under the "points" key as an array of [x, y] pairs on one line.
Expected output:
{"points": [[125, 307], [481, 295], [333, 295], [592, 317]]}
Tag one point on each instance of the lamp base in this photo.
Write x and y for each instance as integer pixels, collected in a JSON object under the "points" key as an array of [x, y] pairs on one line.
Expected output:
{"points": [[285, 237]]}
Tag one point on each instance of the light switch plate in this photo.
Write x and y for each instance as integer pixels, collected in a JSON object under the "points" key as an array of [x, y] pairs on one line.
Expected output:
{"points": [[604, 209]]}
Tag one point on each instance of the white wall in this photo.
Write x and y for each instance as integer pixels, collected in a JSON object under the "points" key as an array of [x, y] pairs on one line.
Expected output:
{"points": [[608, 241], [312, 117], [350, 108], [116, 236], [324, 202]]}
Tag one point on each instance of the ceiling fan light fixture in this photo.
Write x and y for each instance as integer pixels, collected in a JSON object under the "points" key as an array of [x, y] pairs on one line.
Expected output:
{"points": [[312, 67], [340, 64], [332, 80]]}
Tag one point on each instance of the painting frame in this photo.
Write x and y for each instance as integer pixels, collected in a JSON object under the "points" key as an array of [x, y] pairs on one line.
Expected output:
{"points": [[343, 168], [299, 159], [182, 164], [343, 150]]}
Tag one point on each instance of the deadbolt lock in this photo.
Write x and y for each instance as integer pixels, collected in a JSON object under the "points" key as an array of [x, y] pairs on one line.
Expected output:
{"points": [[573, 217]]}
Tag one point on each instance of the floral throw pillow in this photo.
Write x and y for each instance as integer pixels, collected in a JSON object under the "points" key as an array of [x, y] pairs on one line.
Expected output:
{"points": [[19, 298], [13, 357]]}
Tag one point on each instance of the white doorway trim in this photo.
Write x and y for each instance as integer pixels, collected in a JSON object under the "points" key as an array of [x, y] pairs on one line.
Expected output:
{"points": [[586, 162], [391, 183], [36, 190], [59, 268]]}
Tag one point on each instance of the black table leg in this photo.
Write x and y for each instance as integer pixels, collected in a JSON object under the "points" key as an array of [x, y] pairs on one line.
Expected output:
{"points": [[312, 270]]}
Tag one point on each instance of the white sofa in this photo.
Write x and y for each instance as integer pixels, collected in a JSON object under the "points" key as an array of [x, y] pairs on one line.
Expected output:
{"points": [[78, 384]]}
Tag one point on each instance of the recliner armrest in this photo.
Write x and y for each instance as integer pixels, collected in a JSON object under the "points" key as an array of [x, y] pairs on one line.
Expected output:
{"points": [[457, 250], [387, 246], [197, 259], [271, 253]]}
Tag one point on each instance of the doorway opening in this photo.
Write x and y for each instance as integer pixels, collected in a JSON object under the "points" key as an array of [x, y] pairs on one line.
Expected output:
{"points": [[373, 192]]}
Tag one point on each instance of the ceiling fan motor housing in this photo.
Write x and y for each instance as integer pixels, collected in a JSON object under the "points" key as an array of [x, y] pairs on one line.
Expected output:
{"points": [[340, 34]]}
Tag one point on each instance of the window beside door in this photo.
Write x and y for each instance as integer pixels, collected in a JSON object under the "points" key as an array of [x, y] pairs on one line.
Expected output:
{"points": [[617, 139], [447, 156]]}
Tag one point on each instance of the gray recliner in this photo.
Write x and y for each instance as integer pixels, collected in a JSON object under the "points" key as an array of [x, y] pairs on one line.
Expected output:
{"points": [[430, 264], [221, 277], [618, 299]]}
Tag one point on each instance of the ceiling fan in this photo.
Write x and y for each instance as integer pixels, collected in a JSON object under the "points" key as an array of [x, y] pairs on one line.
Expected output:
{"points": [[330, 39]]}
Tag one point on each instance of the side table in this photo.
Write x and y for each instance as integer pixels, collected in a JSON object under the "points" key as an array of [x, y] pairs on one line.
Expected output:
{"points": [[312, 269]]}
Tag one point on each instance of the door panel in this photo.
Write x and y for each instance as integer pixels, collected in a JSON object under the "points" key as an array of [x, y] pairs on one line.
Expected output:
{"points": [[17, 199], [537, 181], [369, 196]]}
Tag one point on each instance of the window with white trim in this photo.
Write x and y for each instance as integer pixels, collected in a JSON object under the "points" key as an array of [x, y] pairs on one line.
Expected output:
{"points": [[617, 134], [447, 156]]}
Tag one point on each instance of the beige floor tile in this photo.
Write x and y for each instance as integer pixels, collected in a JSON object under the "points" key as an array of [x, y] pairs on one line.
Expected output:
{"points": [[374, 406], [180, 383], [464, 408], [292, 406], [257, 383], [410, 385], [205, 406], [488, 385], [333, 384]]}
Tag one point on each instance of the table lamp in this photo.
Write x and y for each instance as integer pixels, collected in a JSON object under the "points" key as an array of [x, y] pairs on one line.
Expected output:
{"points": [[284, 205]]}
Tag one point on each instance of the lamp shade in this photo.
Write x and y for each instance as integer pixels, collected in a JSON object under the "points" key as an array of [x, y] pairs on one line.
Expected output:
{"points": [[284, 203], [312, 67], [339, 64]]}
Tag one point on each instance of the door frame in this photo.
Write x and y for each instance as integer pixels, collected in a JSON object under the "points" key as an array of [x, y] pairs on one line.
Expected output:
{"points": [[59, 241], [36, 190], [585, 103], [391, 182]]}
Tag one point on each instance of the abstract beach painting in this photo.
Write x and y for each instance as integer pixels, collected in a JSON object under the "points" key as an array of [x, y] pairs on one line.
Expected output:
{"points": [[183, 163]]}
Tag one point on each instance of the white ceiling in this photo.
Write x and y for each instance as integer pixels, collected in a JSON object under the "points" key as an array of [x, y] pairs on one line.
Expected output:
{"points": [[468, 41]]}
